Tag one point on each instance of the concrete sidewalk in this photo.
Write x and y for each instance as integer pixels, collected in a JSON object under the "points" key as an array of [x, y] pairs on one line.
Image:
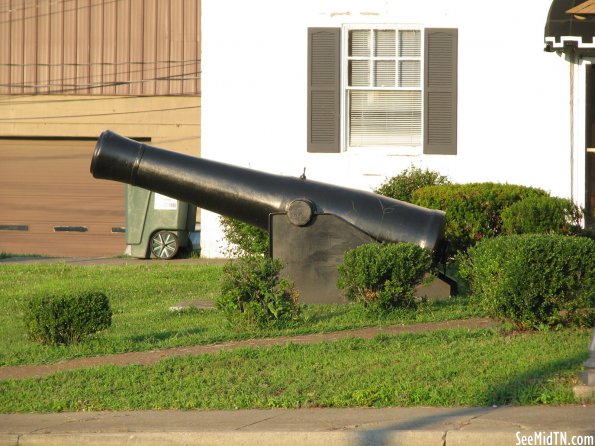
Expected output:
{"points": [[325, 427]]}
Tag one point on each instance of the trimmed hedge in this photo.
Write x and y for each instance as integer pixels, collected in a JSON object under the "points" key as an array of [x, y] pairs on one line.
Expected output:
{"points": [[56, 319], [383, 276], [402, 186], [254, 294], [534, 280], [473, 211], [542, 215], [245, 239]]}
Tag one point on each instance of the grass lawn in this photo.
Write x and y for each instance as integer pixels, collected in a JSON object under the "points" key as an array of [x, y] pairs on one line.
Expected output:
{"points": [[442, 368], [140, 296], [445, 368]]}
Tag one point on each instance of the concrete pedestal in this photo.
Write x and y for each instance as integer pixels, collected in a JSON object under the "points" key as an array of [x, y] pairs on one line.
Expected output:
{"points": [[586, 390]]}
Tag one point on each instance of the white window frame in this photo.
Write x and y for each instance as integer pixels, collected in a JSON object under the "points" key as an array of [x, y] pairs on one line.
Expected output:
{"points": [[388, 150]]}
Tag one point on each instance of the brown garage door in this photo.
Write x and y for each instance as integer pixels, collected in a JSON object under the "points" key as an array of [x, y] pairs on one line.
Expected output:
{"points": [[50, 204]]}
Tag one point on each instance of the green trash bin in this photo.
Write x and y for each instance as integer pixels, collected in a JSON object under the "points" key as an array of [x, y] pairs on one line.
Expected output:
{"points": [[156, 225]]}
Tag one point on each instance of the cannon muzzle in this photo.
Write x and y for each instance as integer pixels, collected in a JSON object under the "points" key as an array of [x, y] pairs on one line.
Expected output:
{"points": [[252, 196], [311, 224]]}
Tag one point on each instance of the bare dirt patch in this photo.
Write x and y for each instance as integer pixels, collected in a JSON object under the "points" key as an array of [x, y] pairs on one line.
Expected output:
{"points": [[154, 356]]}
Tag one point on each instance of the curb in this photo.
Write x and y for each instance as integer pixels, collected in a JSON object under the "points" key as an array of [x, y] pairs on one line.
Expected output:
{"points": [[412, 426], [295, 438]]}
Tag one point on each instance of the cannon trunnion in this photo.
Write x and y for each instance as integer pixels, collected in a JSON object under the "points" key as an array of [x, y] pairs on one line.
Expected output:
{"points": [[311, 223]]}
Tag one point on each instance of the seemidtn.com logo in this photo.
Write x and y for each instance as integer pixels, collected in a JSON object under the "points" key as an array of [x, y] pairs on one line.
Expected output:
{"points": [[553, 439]]}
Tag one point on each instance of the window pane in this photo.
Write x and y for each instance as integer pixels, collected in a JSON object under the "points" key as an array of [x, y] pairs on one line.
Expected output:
{"points": [[384, 73], [409, 43], [385, 43], [409, 73], [384, 118], [359, 43], [359, 73]]}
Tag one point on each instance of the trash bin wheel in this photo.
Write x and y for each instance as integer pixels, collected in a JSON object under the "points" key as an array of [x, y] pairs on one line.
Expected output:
{"points": [[164, 245]]}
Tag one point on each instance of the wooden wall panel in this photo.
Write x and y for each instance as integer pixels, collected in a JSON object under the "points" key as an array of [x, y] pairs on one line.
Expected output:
{"points": [[176, 47], [30, 29], [96, 47], [121, 47], [123, 17], [109, 48], [136, 49], [16, 50], [149, 45], [56, 47], [163, 38], [5, 33], [191, 48], [70, 45], [43, 49], [83, 39]]}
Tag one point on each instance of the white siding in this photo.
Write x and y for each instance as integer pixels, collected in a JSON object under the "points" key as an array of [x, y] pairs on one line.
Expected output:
{"points": [[513, 98]]}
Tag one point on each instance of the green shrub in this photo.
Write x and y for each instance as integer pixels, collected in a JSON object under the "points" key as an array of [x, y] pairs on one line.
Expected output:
{"points": [[66, 318], [542, 215], [402, 186], [473, 211], [383, 276], [534, 279], [254, 294], [245, 239]]}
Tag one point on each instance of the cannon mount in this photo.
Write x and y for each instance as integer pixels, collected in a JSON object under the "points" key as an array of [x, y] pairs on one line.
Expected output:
{"points": [[311, 224]]}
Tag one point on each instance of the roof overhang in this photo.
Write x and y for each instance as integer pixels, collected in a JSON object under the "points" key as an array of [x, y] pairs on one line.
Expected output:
{"points": [[587, 8], [570, 27]]}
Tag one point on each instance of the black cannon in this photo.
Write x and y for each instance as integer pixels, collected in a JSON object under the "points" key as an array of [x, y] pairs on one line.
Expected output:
{"points": [[311, 224]]}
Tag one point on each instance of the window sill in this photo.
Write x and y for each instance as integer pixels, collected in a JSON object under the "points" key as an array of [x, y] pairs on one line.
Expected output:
{"points": [[384, 151]]}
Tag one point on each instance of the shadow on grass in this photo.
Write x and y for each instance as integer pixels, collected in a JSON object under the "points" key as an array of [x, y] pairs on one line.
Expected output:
{"points": [[154, 338], [529, 388], [524, 389], [322, 317]]}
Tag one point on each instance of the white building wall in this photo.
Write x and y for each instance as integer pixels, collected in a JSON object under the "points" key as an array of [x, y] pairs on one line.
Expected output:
{"points": [[513, 98]]}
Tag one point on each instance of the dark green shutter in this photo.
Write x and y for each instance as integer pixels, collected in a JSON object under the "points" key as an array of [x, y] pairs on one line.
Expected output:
{"points": [[440, 91], [324, 90]]}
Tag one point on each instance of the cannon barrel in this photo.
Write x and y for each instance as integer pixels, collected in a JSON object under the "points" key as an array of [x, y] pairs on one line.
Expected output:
{"points": [[251, 196]]}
